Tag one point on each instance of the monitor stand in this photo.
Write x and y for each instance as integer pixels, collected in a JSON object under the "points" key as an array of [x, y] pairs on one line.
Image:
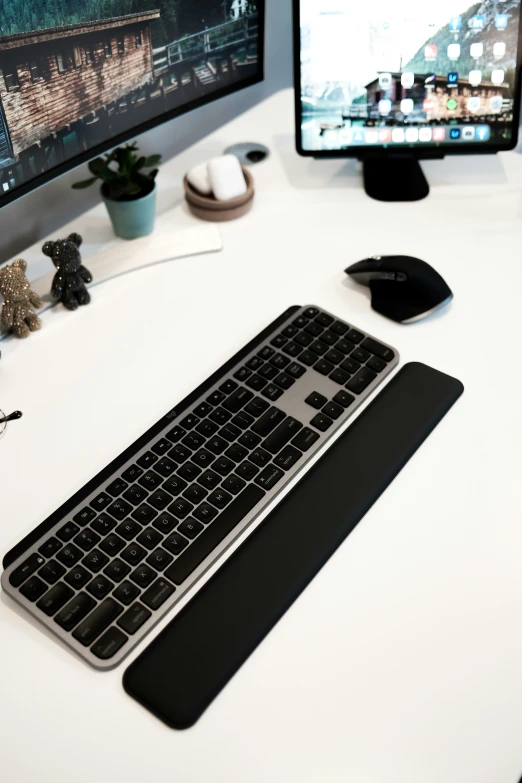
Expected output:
{"points": [[394, 179]]}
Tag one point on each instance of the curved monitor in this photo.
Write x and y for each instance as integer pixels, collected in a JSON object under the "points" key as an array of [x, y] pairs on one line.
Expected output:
{"points": [[74, 82], [390, 75]]}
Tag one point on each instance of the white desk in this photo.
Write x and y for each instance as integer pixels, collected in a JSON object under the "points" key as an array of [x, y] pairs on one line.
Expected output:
{"points": [[402, 661]]}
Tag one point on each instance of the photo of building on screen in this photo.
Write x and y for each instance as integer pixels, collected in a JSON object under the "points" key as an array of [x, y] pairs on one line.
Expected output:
{"points": [[67, 87]]}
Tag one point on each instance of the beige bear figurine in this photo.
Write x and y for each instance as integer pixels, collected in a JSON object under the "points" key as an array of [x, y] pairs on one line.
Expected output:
{"points": [[18, 313]]}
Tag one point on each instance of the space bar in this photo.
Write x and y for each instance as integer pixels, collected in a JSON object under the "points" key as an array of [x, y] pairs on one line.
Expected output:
{"points": [[213, 535]]}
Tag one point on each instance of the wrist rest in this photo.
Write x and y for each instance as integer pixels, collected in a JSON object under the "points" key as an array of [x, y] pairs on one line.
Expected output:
{"points": [[191, 660]]}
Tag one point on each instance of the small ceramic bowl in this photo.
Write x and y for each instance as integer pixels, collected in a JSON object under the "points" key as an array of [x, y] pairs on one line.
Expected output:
{"points": [[209, 208]]}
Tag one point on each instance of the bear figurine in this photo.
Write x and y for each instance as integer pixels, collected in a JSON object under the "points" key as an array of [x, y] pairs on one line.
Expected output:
{"points": [[69, 281], [18, 313]]}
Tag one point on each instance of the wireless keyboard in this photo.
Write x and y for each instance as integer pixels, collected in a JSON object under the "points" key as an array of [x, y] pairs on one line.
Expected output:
{"points": [[114, 559]]}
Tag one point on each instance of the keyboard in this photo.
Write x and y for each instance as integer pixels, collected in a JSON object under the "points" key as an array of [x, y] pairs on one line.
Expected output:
{"points": [[116, 557]]}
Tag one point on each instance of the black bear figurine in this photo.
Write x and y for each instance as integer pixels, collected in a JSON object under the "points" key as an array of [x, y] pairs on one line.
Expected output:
{"points": [[69, 281]]}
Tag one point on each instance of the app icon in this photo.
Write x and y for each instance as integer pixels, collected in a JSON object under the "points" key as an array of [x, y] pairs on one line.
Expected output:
{"points": [[501, 21], [455, 23], [474, 104], [476, 50], [430, 52], [499, 49], [408, 79], [439, 134], [483, 133], [385, 81], [398, 134], [358, 137], [468, 134], [412, 134], [475, 77], [451, 104], [385, 106], [345, 136], [429, 104], [425, 134], [455, 133], [453, 77], [496, 103], [477, 22], [385, 136], [406, 105], [430, 79], [5, 186], [372, 137], [454, 51], [497, 77]]}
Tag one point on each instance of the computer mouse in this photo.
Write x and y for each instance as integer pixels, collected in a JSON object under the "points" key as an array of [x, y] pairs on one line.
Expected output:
{"points": [[403, 288]]}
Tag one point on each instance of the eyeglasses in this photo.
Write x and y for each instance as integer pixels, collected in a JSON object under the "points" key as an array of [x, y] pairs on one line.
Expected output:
{"points": [[5, 419]]}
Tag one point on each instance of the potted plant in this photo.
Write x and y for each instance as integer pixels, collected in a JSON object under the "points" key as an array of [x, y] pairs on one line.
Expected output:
{"points": [[128, 192]]}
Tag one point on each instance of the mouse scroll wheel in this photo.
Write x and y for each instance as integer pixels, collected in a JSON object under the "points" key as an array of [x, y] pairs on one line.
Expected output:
{"points": [[401, 277]]}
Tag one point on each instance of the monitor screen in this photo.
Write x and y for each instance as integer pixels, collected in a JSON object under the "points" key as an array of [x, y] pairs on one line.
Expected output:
{"points": [[79, 76], [395, 74]]}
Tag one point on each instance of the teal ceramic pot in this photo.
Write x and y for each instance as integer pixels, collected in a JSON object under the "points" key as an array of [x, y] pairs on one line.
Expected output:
{"points": [[132, 219]]}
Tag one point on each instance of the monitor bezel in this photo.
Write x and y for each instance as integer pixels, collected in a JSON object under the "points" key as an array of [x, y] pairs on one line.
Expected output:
{"points": [[439, 150], [115, 141]]}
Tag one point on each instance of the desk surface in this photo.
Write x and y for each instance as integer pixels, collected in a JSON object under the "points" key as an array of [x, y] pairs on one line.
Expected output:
{"points": [[402, 660]]}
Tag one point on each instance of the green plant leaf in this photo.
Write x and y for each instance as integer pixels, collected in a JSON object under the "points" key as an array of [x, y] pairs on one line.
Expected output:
{"points": [[97, 166], [140, 163], [153, 174], [152, 160], [85, 183], [133, 190]]}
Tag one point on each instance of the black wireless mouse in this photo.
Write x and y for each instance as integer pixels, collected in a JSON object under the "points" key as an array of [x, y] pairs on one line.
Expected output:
{"points": [[403, 288]]}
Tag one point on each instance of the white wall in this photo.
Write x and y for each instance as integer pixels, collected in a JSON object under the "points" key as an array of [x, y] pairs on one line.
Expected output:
{"points": [[32, 217]]}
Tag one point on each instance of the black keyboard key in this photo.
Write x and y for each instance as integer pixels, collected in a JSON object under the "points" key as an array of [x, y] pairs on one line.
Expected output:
{"points": [[216, 398], [223, 466], [174, 435], [334, 356], [236, 452], [220, 416], [339, 328], [269, 477], [53, 600], [339, 376], [108, 645], [98, 620], [256, 382], [205, 513], [51, 572], [247, 470], [189, 422], [314, 329], [161, 447], [268, 372], [179, 454], [175, 543], [293, 349], [126, 592], [112, 544], [280, 361], [361, 381], [250, 440], [144, 514], [190, 528], [228, 387], [151, 480], [100, 587], [119, 509], [66, 532], [100, 501], [376, 364], [284, 381], [74, 611], [132, 473], [69, 555], [295, 370], [333, 410], [78, 577], [344, 346], [50, 547], [308, 358], [118, 485], [214, 534], [128, 529], [181, 508], [279, 340], [260, 457], [33, 588], [266, 352], [318, 347], [159, 559], [230, 432], [290, 331], [134, 618], [165, 523], [103, 524], [194, 440], [233, 484], [84, 516], [379, 350], [255, 363], [217, 445], [243, 420], [210, 479], [321, 422], [360, 355], [117, 570], [27, 568], [195, 493], [202, 410], [350, 365], [207, 428], [272, 392], [137, 494], [243, 373], [329, 338], [300, 321], [316, 400], [157, 593], [95, 561], [238, 400], [288, 457], [133, 554], [323, 367], [174, 485], [160, 499], [344, 399], [324, 319], [282, 435], [189, 472], [304, 339], [203, 458], [218, 498], [355, 336], [144, 575], [165, 467], [311, 312], [305, 439]]}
